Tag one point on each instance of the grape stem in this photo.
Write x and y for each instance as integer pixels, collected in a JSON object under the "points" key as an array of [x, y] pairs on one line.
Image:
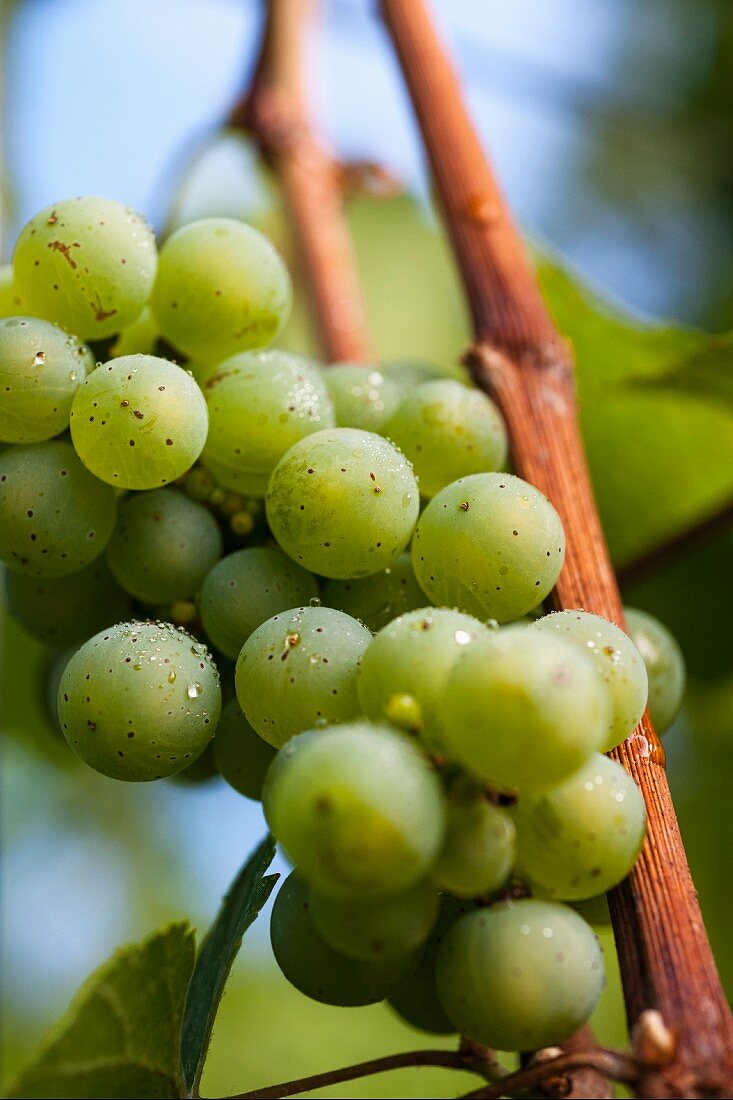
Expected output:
{"points": [[520, 359], [614, 1064], [275, 111]]}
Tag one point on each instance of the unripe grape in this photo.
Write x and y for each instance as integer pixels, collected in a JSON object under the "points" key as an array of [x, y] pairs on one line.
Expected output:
{"points": [[260, 403], [87, 264], [664, 663], [138, 338], [412, 656], [489, 544], [247, 588], [524, 709], [478, 851], [163, 546], [221, 288], [619, 661], [377, 600], [11, 301], [55, 517], [140, 701], [299, 669], [41, 369], [139, 422], [363, 396], [357, 808], [240, 755], [581, 838], [521, 975], [316, 969], [381, 929], [448, 430], [343, 503], [408, 374]]}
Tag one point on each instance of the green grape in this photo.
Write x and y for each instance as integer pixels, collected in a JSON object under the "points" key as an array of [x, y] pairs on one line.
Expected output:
{"points": [[221, 288], [524, 709], [140, 701], [412, 657], [260, 403], [298, 669], [357, 808], [378, 599], [40, 371], [582, 837], [477, 856], [619, 661], [407, 374], [489, 544], [63, 611], [11, 302], [203, 370], [87, 264], [316, 969], [382, 929], [199, 484], [139, 422], [521, 975], [343, 503], [138, 338], [201, 771], [363, 396], [247, 588], [241, 756], [448, 430], [416, 998], [55, 518], [163, 546], [54, 671], [664, 663]]}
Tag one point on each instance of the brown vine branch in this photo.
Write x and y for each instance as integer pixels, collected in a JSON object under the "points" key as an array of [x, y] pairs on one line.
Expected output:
{"points": [[614, 1064], [638, 569], [518, 356], [449, 1059], [275, 110]]}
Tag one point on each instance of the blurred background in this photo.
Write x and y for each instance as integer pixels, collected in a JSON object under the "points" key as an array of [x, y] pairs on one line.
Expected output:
{"points": [[611, 127]]}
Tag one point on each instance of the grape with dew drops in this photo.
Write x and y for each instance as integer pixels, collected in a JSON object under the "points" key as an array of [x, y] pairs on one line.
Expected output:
{"points": [[343, 503], [163, 546], [448, 430], [316, 969], [139, 422], [363, 396], [581, 838], [618, 660], [520, 975], [260, 403], [87, 264], [523, 709], [41, 368], [248, 587], [357, 808], [664, 664], [55, 517], [299, 668], [489, 544], [140, 701], [221, 288]]}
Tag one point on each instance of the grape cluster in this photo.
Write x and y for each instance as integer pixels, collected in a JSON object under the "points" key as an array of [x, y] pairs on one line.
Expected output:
{"points": [[427, 744]]}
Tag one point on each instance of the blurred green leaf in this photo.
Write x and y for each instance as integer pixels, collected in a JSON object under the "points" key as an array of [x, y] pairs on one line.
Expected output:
{"points": [[120, 1036], [244, 900]]}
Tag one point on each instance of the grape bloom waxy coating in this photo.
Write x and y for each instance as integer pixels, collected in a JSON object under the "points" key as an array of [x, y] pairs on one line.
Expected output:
{"points": [[523, 709], [343, 502], [489, 544], [261, 403], [87, 264], [140, 701], [520, 975], [55, 518], [139, 422], [299, 668], [41, 369], [221, 288], [357, 808]]}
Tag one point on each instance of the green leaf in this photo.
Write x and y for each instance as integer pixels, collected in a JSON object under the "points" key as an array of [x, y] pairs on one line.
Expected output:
{"points": [[120, 1036], [245, 898]]}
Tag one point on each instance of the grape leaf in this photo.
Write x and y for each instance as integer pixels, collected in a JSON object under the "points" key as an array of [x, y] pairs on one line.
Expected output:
{"points": [[120, 1036], [243, 901]]}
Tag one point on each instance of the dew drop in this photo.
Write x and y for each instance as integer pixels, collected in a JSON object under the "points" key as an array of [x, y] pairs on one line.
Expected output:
{"points": [[194, 690]]}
